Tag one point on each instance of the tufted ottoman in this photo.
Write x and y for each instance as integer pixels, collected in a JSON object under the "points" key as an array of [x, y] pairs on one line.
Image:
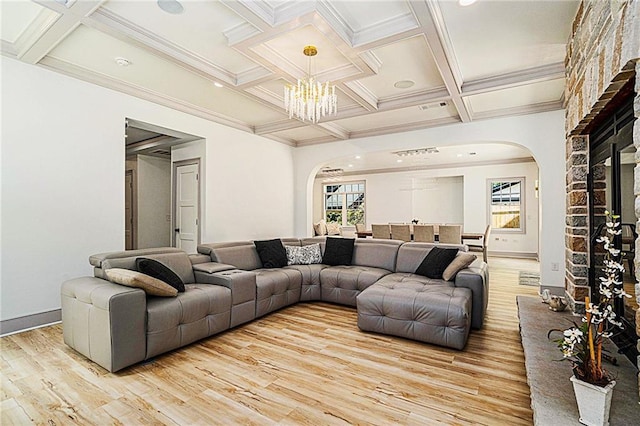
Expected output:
{"points": [[439, 314]]}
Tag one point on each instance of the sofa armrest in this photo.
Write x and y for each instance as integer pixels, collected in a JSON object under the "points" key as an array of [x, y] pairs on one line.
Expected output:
{"points": [[211, 268], [476, 278], [104, 321], [243, 291]]}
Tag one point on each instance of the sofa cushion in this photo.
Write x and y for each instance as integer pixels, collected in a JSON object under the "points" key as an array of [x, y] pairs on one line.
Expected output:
{"points": [[305, 255], [376, 253], [436, 261], [159, 270], [338, 251], [276, 288], [341, 284], [201, 311], [461, 261], [310, 288], [272, 253], [151, 286], [333, 228]]}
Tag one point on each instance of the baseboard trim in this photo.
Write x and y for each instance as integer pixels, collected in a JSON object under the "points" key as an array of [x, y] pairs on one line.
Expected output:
{"points": [[514, 254], [28, 322]]}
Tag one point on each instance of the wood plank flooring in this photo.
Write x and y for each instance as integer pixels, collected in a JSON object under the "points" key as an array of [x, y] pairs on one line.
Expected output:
{"points": [[306, 364]]}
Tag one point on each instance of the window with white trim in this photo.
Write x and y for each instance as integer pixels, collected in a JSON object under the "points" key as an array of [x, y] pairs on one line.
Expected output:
{"points": [[344, 203], [506, 205]]}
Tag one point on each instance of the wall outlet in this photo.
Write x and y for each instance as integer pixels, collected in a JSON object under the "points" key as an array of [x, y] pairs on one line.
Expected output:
{"points": [[555, 266]]}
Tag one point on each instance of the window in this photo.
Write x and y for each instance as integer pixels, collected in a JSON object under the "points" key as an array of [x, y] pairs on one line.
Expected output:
{"points": [[344, 203], [506, 204]]}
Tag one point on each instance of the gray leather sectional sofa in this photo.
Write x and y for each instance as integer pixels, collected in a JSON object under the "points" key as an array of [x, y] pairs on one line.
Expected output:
{"points": [[226, 285]]}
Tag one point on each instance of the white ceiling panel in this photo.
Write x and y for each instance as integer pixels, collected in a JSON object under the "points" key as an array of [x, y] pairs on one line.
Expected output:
{"points": [[96, 51], [532, 94], [290, 47], [373, 13], [198, 29], [497, 37], [15, 17], [303, 133], [398, 117], [408, 59]]}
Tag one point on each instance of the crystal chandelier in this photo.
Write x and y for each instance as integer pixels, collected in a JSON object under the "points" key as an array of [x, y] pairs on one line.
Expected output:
{"points": [[310, 99]]}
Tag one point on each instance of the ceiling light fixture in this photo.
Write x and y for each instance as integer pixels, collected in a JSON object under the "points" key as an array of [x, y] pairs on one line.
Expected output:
{"points": [[310, 99], [215, 83], [466, 2], [123, 62], [403, 84], [420, 151], [171, 6], [331, 172]]}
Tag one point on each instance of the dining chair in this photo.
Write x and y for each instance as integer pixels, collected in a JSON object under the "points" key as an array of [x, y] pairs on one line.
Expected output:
{"points": [[401, 232], [380, 231], [484, 246], [450, 234], [629, 237], [424, 233]]}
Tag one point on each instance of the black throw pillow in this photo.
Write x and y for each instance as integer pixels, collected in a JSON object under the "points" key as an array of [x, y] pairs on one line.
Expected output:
{"points": [[436, 261], [272, 253], [338, 251], [160, 271]]}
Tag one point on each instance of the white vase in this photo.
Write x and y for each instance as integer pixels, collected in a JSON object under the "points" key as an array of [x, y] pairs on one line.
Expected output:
{"points": [[594, 402]]}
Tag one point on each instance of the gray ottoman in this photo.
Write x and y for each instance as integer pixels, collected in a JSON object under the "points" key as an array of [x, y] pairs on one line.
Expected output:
{"points": [[437, 314]]}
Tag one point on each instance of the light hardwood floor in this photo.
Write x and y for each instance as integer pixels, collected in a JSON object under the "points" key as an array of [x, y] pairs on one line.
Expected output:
{"points": [[306, 364]]}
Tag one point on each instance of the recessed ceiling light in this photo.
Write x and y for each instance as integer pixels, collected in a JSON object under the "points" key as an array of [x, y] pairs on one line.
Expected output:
{"points": [[398, 161], [350, 165], [466, 2], [215, 83], [403, 84], [171, 6], [358, 157], [123, 62], [458, 155]]}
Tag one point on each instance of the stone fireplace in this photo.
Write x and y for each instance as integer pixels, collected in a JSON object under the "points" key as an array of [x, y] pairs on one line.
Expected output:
{"points": [[602, 80]]}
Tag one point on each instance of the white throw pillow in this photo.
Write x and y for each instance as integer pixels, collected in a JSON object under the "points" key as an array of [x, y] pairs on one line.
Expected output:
{"points": [[305, 255], [333, 228]]}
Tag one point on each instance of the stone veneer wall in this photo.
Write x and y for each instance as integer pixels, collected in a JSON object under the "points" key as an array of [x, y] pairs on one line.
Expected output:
{"points": [[603, 53]]}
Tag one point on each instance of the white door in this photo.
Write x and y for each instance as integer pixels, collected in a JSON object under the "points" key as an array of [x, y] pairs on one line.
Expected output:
{"points": [[187, 208]]}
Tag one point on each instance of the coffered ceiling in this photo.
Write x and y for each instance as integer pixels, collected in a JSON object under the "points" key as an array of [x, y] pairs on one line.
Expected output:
{"points": [[490, 59]]}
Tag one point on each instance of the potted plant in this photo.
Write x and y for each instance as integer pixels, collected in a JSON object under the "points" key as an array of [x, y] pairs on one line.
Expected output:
{"points": [[582, 344]]}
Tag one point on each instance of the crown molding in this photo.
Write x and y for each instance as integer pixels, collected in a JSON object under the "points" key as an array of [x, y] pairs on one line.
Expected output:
{"points": [[522, 110], [80, 73], [406, 127], [8, 49], [334, 130], [240, 33], [445, 39], [441, 166], [380, 30], [290, 10], [504, 81], [362, 95]]}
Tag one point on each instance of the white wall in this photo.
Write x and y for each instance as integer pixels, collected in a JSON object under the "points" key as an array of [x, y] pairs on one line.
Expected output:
{"points": [[443, 196], [542, 134], [154, 202], [62, 173]]}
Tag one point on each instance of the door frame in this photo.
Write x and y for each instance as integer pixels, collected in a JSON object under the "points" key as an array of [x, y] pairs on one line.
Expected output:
{"points": [[134, 207], [174, 192]]}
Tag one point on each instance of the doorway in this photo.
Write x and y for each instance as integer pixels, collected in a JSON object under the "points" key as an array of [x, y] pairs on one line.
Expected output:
{"points": [[151, 212]]}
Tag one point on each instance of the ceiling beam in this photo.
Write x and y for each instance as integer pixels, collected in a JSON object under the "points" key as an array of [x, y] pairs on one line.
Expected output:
{"points": [[518, 78], [429, 16], [51, 29]]}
